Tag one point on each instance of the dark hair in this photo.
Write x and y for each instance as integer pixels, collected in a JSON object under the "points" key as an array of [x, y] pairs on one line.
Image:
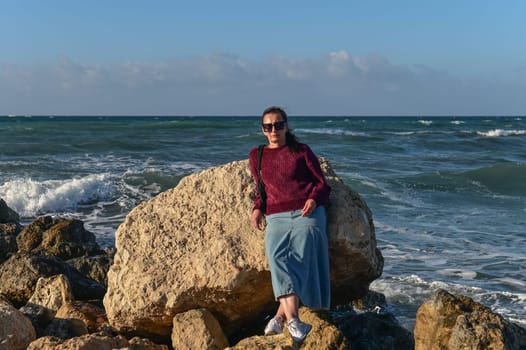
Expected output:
{"points": [[290, 139]]}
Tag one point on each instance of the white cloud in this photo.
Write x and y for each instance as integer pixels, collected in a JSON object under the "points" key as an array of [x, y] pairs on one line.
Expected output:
{"points": [[221, 83]]}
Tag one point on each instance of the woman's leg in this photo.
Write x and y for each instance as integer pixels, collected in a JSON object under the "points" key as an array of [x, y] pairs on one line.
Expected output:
{"points": [[297, 329], [288, 307]]}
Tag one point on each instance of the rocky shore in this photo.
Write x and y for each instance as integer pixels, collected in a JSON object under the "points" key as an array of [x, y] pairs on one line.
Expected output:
{"points": [[188, 272]]}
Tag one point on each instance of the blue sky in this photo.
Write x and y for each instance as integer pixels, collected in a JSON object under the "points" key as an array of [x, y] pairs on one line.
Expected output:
{"points": [[236, 57]]}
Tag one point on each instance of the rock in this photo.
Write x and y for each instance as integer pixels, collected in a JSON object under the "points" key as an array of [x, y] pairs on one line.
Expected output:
{"points": [[62, 238], [52, 292], [324, 335], [197, 329], [446, 321], [63, 328], [8, 215], [20, 273], [375, 330], [16, 331], [39, 316], [137, 343], [8, 233], [367, 325], [193, 247], [9, 229], [355, 259], [94, 267], [92, 315], [86, 342]]}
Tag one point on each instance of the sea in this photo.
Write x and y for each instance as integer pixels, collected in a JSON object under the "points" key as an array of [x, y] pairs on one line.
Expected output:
{"points": [[448, 194]]}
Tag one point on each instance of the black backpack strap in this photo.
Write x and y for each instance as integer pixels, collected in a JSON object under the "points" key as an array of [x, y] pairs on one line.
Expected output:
{"points": [[260, 154], [261, 185]]}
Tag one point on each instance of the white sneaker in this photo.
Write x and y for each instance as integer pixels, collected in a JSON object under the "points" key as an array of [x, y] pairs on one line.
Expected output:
{"points": [[274, 326], [298, 330]]}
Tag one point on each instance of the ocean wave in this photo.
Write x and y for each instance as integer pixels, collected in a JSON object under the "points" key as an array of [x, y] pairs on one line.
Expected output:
{"points": [[31, 198], [500, 178], [148, 182], [501, 133], [497, 179]]}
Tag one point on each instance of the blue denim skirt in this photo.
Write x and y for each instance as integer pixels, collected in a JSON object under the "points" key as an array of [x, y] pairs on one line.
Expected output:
{"points": [[298, 255]]}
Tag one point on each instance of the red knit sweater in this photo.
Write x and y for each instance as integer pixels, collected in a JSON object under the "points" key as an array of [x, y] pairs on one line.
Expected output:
{"points": [[290, 178]]}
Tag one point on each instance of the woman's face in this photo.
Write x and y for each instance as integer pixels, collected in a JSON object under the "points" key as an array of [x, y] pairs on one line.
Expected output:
{"points": [[274, 128]]}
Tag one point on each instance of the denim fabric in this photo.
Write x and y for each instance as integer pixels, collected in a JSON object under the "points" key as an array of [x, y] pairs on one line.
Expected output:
{"points": [[298, 255]]}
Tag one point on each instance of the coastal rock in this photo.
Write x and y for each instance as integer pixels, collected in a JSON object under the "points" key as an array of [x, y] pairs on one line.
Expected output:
{"points": [[62, 238], [323, 335], [446, 321], [9, 229], [92, 315], [193, 246], [375, 330], [65, 328], [39, 316], [52, 292], [20, 273], [354, 257], [197, 329], [8, 233], [16, 331], [137, 343], [94, 267], [8, 215], [367, 325], [85, 342], [96, 341]]}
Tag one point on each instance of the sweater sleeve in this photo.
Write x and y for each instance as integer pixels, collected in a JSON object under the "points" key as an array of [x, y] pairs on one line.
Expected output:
{"points": [[252, 156], [321, 190]]}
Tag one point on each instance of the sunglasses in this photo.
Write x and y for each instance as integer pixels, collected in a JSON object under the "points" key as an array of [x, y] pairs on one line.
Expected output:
{"points": [[277, 125]]}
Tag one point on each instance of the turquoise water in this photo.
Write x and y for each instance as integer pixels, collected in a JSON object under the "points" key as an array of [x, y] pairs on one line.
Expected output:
{"points": [[448, 195]]}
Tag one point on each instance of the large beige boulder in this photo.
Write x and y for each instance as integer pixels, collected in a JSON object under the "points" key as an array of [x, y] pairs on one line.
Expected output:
{"points": [[193, 247], [447, 321]]}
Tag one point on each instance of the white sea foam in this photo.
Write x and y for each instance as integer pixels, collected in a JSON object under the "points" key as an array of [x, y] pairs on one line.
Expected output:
{"points": [[501, 133], [425, 122], [512, 282], [189, 167], [329, 131], [31, 198], [403, 133], [458, 122], [464, 274], [412, 290]]}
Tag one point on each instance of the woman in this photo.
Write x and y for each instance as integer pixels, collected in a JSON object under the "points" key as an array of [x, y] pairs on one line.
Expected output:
{"points": [[296, 241]]}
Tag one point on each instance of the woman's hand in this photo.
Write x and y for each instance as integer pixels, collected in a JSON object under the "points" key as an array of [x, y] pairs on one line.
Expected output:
{"points": [[309, 207], [257, 219]]}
